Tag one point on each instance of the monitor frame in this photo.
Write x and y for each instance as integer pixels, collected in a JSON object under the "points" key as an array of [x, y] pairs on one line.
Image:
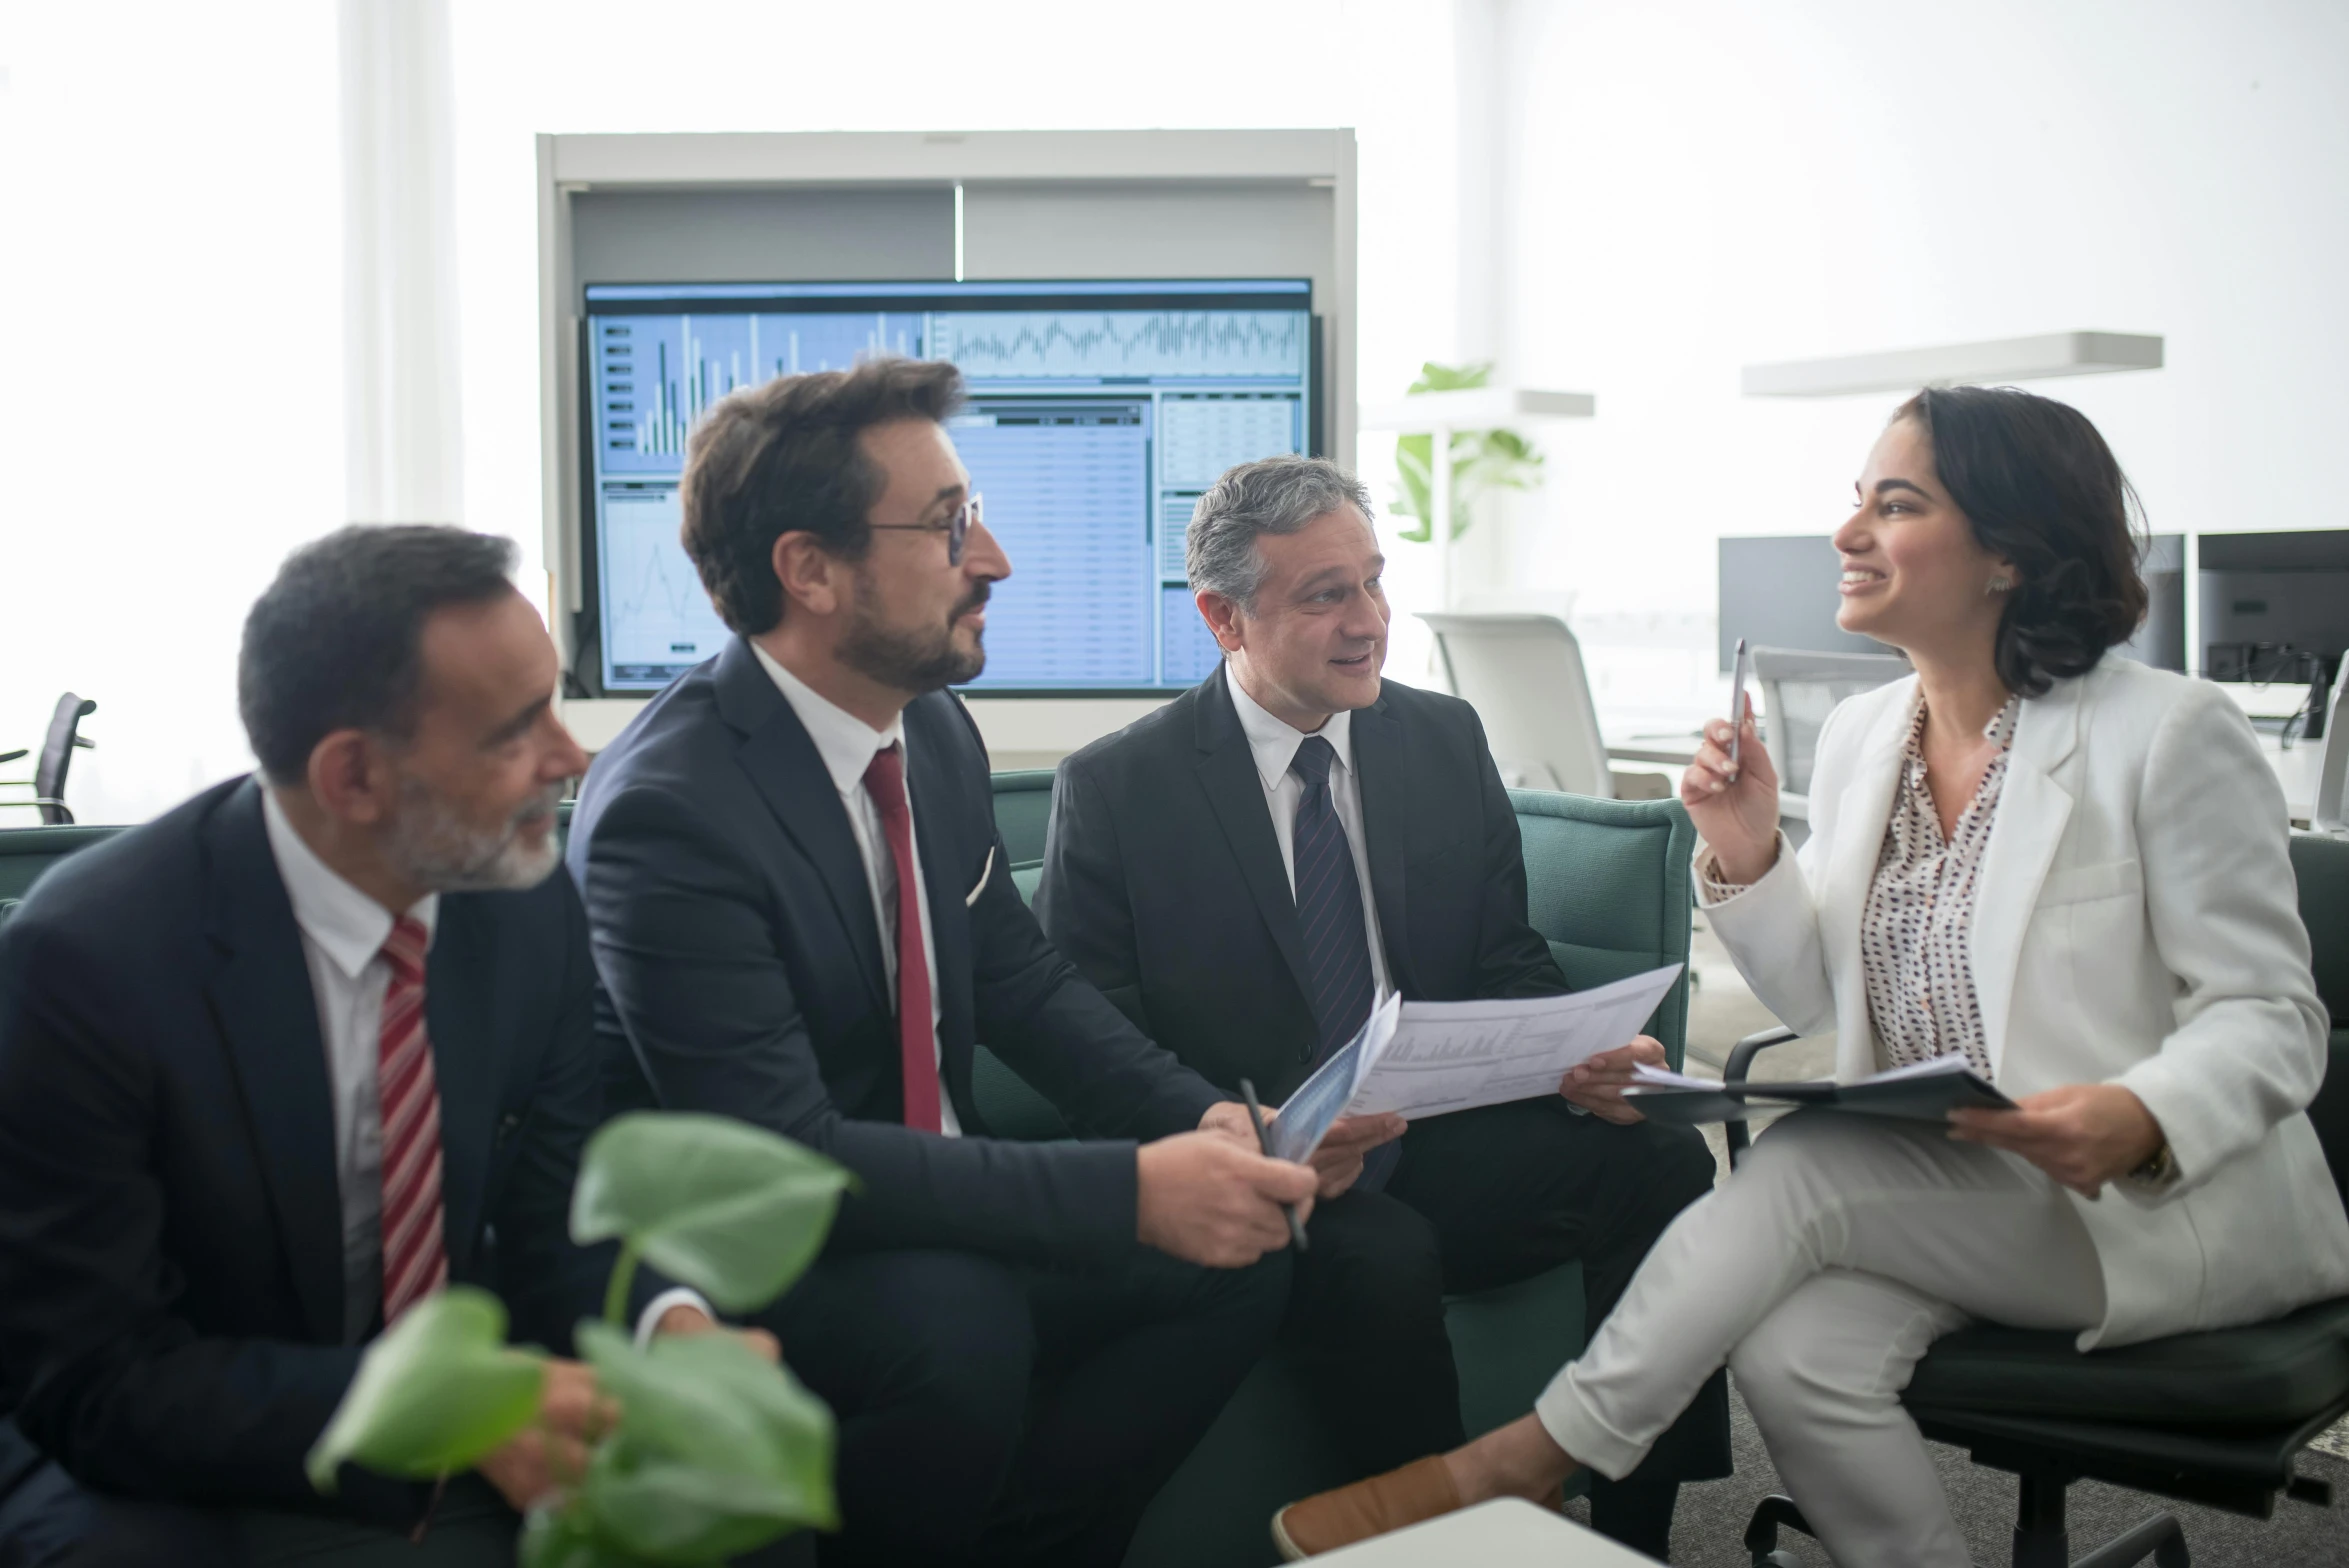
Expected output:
{"points": [[583, 675]]}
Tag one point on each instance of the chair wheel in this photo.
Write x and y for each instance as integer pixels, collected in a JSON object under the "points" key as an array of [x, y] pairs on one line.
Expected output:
{"points": [[1776, 1560]]}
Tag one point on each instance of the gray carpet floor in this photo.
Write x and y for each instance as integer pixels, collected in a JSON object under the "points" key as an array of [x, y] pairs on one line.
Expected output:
{"points": [[1709, 1530]]}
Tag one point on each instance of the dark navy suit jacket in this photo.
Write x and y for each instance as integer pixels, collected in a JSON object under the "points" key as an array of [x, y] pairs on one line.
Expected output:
{"points": [[171, 1276], [1163, 880], [742, 968]]}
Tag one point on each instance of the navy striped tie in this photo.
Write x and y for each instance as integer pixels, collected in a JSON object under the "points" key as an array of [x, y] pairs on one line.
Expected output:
{"points": [[1337, 944], [1329, 905]]}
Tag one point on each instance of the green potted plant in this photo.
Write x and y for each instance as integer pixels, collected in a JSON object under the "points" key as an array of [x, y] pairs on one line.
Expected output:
{"points": [[1482, 460], [717, 1450]]}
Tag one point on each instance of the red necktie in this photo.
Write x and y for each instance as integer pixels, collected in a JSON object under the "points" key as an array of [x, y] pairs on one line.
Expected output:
{"points": [[917, 1044], [415, 1262]]}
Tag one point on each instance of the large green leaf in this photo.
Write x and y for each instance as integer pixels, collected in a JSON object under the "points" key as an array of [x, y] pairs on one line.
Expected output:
{"points": [[567, 1539], [729, 1209], [661, 1511], [1450, 378], [435, 1394], [710, 1402], [1482, 460]]}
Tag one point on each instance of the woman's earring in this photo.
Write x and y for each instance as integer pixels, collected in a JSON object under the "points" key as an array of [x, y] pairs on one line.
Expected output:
{"points": [[2000, 585]]}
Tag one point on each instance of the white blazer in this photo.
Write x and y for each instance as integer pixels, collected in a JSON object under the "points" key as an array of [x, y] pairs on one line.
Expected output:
{"points": [[2135, 924]]}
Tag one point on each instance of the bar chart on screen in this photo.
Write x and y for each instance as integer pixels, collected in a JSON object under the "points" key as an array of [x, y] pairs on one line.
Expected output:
{"points": [[656, 375]]}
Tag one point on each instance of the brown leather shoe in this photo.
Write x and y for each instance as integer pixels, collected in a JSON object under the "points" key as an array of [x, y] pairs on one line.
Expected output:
{"points": [[1420, 1490]]}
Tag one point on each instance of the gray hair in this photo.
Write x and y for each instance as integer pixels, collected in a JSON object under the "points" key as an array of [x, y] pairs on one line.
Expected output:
{"points": [[1278, 495]]}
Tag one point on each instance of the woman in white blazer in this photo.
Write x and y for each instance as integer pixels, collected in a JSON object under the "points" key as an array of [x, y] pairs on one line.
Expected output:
{"points": [[2064, 865]]}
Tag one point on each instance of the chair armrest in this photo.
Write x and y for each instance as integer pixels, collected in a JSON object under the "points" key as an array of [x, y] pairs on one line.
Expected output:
{"points": [[11, 756], [1741, 1061]]}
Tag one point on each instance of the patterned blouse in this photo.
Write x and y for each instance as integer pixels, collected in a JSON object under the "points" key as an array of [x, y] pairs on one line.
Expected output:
{"points": [[1920, 910], [1914, 929]]}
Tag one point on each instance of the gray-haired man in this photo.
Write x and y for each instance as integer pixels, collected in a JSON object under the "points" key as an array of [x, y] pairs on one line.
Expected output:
{"points": [[1247, 868]]}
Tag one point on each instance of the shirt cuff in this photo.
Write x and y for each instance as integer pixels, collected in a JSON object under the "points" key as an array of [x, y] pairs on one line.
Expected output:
{"points": [[650, 1318], [1713, 889]]}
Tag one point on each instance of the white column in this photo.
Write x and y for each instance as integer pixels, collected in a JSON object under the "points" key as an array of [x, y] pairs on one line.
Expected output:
{"points": [[1484, 194], [403, 423], [1482, 158]]}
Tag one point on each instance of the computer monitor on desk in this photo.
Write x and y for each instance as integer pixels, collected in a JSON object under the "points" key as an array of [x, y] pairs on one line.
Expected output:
{"points": [[1098, 412], [2275, 608], [1778, 591]]}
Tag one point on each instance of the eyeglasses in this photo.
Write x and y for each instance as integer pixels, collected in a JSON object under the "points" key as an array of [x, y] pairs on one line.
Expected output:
{"points": [[956, 526]]}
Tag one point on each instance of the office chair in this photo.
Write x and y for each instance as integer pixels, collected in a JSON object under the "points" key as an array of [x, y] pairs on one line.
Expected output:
{"points": [[1523, 675], [1799, 690], [2330, 814], [48, 780], [2214, 1418]]}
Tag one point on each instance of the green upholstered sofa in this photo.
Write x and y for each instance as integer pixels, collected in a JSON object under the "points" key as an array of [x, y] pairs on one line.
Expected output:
{"points": [[27, 852]]}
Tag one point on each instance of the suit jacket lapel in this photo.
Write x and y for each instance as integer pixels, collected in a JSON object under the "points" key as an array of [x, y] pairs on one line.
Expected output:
{"points": [[460, 981], [789, 774], [1227, 772], [2033, 810], [261, 1000], [1378, 770]]}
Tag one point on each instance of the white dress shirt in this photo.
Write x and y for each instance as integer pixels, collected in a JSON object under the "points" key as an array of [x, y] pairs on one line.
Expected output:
{"points": [[1274, 742], [847, 745], [343, 932]]}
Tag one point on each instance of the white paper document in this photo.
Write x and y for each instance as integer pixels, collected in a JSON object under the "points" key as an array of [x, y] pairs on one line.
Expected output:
{"points": [[1298, 1130], [1456, 1056]]}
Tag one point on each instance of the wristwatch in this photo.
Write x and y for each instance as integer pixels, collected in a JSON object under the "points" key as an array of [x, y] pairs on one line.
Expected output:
{"points": [[2159, 1169]]}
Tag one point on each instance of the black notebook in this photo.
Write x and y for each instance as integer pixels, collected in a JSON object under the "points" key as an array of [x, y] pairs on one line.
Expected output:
{"points": [[1922, 1092]]}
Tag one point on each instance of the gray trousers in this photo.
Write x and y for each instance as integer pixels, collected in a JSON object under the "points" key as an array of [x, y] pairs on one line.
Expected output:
{"points": [[1820, 1273]]}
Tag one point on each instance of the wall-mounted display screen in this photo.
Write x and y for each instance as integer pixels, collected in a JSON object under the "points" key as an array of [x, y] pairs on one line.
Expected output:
{"points": [[1098, 413]]}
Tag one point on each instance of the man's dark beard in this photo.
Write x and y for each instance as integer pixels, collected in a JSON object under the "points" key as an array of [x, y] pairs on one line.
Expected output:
{"points": [[909, 660]]}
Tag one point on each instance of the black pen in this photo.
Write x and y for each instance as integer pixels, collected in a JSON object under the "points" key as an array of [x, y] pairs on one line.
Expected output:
{"points": [[1264, 1142]]}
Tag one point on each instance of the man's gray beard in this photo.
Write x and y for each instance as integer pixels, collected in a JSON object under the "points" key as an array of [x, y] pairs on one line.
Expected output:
{"points": [[908, 661], [430, 847]]}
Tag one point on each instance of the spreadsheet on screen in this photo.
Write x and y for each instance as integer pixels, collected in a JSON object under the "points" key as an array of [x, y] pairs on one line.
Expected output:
{"points": [[1098, 412]]}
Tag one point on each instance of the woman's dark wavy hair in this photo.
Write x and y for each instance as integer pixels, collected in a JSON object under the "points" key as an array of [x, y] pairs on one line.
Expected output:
{"points": [[2041, 489]]}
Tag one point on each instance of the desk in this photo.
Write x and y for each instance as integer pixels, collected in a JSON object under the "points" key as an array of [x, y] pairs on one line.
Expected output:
{"points": [[1509, 1533], [1658, 753]]}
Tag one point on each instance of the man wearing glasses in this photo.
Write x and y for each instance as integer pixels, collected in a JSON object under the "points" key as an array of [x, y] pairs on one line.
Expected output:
{"points": [[803, 917]]}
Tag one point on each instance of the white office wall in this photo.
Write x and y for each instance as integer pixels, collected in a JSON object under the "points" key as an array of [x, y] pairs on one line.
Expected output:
{"points": [[171, 411], [1711, 183]]}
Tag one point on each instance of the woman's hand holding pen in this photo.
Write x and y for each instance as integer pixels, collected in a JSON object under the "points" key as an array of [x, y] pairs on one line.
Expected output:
{"points": [[1734, 804]]}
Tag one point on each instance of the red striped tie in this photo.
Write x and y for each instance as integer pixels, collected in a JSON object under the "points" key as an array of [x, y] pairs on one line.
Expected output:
{"points": [[917, 1040], [414, 1262]]}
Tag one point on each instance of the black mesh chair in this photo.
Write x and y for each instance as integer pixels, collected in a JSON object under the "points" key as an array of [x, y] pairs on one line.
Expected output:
{"points": [[48, 780], [2216, 1418]]}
